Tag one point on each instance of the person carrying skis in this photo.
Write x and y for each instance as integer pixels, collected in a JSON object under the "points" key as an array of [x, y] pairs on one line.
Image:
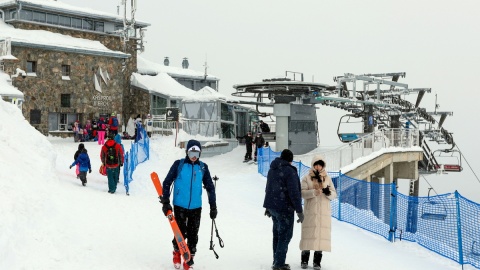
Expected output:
{"points": [[187, 176], [282, 199], [84, 165], [248, 145], [317, 192], [111, 156]]}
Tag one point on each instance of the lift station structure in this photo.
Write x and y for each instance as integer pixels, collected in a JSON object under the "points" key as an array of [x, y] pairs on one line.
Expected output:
{"points": [[377, 100]]}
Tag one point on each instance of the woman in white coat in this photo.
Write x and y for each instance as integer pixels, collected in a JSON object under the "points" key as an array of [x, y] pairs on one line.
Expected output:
{"points": [[317, 192]]}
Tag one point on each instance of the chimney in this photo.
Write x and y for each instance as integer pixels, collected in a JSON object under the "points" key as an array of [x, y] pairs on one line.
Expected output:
{"points": [[166, 62], [185, 63]]}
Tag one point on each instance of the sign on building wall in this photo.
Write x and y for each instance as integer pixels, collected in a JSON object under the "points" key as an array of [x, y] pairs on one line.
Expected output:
{"points": [[172, 114]]}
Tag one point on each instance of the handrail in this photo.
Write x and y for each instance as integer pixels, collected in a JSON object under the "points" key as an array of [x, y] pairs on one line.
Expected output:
{"points": [[384, 138]]}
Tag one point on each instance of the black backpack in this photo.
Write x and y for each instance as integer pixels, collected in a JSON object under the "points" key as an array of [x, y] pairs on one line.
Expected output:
{"points": [[111, 157]]}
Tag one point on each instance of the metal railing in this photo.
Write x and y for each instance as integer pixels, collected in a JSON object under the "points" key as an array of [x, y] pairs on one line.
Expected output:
{"points": [[385, 138]]}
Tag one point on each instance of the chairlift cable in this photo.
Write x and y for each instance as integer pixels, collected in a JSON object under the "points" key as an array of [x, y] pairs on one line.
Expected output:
{"points": [[464, 158], [431, 187]]}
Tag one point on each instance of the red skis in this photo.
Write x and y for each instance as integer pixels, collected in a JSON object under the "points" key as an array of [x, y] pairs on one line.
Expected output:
{"points": [[176, 231]]}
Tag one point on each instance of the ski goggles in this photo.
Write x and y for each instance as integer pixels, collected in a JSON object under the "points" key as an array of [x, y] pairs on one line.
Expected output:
{"points": [[194, 153]]}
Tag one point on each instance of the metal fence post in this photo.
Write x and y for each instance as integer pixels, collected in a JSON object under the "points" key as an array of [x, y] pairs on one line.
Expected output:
{"points": [[339, 194], [393, 213], [459, 229]]}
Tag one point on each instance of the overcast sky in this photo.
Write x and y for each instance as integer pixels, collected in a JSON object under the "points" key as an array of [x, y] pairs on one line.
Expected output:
{"points": [[435, 42]]}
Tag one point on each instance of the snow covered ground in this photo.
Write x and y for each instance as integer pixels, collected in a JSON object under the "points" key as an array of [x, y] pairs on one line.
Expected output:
{"points": [[50, 221]]}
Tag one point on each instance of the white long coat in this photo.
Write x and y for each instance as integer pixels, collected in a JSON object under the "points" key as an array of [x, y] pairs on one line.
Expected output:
{"points": [[316, 227]]}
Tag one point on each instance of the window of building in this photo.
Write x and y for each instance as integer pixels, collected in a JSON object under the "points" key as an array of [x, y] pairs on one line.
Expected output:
{"points": [[39, 16], [173, 103], [226, 112], [87, 24], [52, 18], [76, 23], [26, 14], [118, 27], [99, 26], [13, 14], [159, 105], [35, 117], [64, 21], [65, 70], [65, 101], [31, 67]]}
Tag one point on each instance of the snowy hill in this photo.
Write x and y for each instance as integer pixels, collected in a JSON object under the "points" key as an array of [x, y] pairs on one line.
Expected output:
{"points": [[50, 221]]}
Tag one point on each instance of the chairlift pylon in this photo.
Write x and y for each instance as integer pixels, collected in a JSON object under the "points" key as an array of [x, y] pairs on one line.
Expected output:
{"points": [[433, 210], [347, 137]]}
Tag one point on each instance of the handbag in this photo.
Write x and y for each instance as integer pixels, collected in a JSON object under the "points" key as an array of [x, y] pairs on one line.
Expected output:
{"points": [[103, 170]]}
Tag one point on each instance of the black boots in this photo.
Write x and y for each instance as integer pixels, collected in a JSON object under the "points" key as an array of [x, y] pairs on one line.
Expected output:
{"points": [[317, 258]]}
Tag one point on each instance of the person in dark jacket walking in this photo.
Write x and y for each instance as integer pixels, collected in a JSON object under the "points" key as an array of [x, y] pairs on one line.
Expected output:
{"points": [[83, 161], [111, 156], [282, 199], [248, 145], [187, 175], [259, 142]]}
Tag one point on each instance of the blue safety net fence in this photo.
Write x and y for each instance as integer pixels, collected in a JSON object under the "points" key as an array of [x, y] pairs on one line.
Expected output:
{"points": [[447, 224], [139, 152]]}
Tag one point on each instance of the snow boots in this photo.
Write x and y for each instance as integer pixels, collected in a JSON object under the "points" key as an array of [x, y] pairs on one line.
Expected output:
{"points": [[317, 258], [189, 265], [177, 259]]}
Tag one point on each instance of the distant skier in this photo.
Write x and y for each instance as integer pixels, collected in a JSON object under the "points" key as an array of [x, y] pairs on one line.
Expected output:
{"points": [[259, 142], [248, 145], [188, 175], [264, 126], [84, 163]]}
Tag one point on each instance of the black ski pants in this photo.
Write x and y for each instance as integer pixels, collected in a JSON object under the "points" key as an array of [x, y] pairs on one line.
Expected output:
{"points": [[188, 221]]}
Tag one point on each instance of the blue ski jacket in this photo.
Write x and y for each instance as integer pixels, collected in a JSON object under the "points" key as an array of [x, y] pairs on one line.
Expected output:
{"points": [[84, 161], [188, 182]]}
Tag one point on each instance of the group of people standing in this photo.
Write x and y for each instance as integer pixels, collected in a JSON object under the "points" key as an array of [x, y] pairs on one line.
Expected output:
{"points": [[283, 197], [95, 130]]}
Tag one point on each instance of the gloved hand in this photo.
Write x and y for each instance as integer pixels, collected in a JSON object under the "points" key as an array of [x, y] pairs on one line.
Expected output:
{"points": [[89, 170], [213, 213], [70, 166], [166, 207], [326, 191], [300, 217], [267, 213]]}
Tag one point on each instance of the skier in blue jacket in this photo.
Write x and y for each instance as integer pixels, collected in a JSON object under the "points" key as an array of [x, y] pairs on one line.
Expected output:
{"points": [[84, 163], [187, 175]]}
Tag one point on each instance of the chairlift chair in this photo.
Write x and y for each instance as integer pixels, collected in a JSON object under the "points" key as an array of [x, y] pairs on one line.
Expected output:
{"points": [[451, 154], [347, 137], [433, 210]]}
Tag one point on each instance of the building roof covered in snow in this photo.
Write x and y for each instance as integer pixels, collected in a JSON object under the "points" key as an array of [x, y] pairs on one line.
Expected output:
{"points": [[57, 6], [7, 89], [162, 84], [148, 67], [206, 94], [56, 42]]}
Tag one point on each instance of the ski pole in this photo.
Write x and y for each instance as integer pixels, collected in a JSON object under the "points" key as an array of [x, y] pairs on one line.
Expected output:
{"points": [[215, 179]]}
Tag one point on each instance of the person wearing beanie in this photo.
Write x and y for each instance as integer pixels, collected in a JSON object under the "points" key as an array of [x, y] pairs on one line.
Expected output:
{"points": [[83, 162], [188, 175], [259, 142], [112, 158], [75, 156], [282, 199], [317, 192]]}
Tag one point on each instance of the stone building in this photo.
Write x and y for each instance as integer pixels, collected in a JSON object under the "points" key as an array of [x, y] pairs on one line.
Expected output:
{"points": [[76, 64]]}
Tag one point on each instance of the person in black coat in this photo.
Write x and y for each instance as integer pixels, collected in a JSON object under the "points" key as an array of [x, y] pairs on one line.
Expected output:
{"points": [[264, 126], [259, 142], [248, 145], [282, 199]]}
